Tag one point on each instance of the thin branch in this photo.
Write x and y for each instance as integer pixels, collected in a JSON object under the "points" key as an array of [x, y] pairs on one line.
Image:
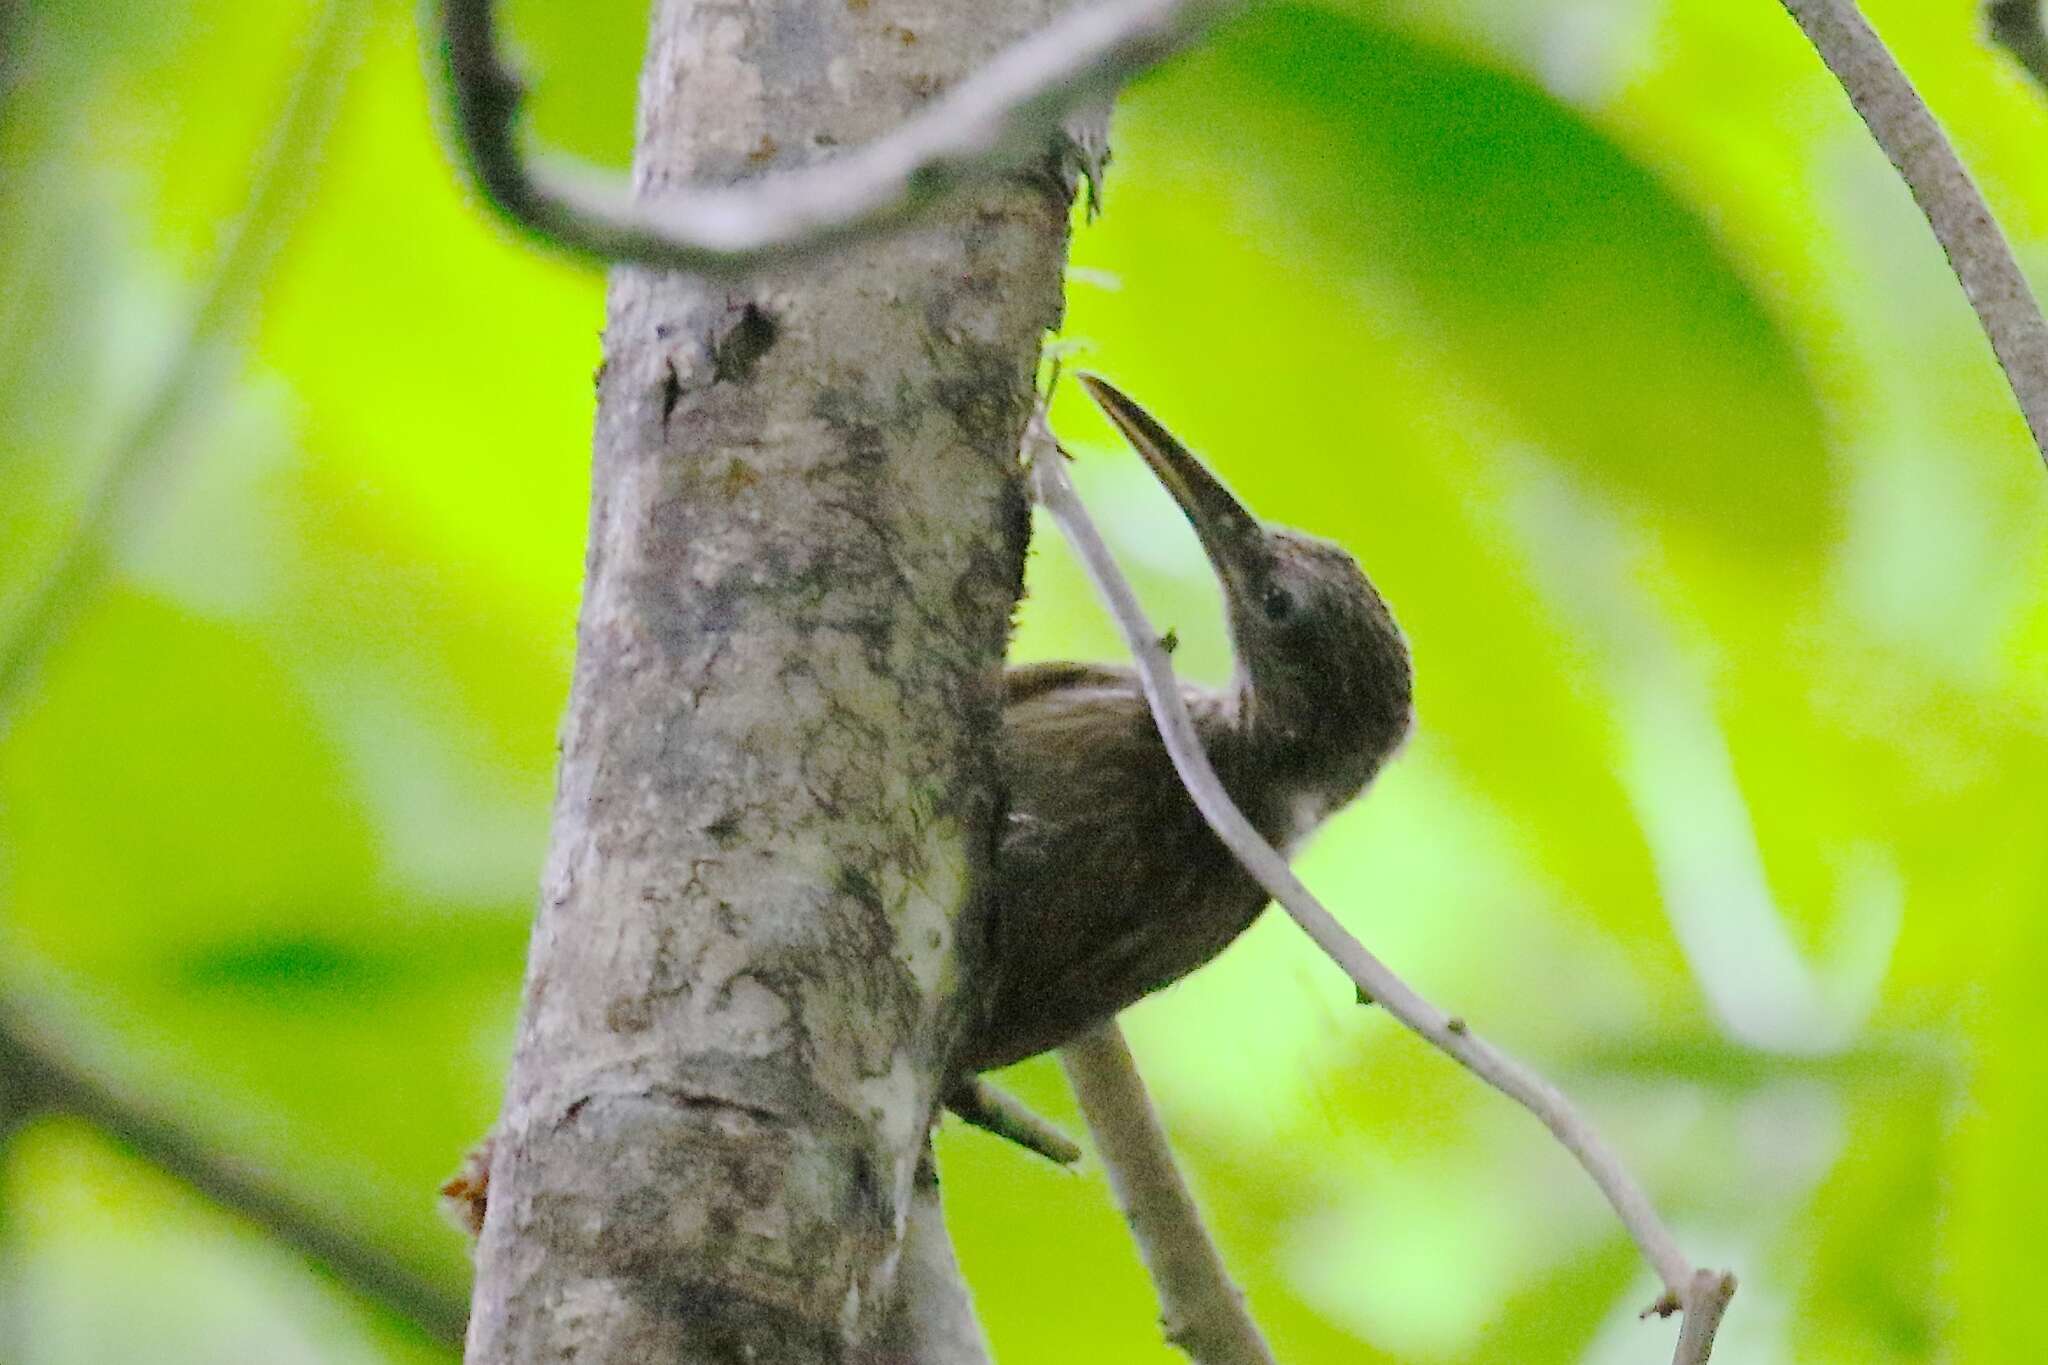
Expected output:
{"points": [[141, 455], [1707, 1300], [994, 1110], [41, 1073], [987, 124], [2015, 25], [1977, 250], [1447, 1033], [1200, 1306]]}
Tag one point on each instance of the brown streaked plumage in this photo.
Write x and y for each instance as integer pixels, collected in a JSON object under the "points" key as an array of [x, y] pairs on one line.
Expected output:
{"points": [[1109, 883]]}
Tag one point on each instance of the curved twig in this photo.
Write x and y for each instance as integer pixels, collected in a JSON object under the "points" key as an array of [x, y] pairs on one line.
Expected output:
{"points": [[1977, 250], [1448, 1033], [141, 453], [1200, 1306], [984, 126]]}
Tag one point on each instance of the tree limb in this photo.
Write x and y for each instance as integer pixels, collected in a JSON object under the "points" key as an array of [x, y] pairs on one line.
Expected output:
{"points": [[1977, 250], [986, 125], [776, 803], [1447, 1033], [39, 1076], [2015, 25], [1200, 1306]]}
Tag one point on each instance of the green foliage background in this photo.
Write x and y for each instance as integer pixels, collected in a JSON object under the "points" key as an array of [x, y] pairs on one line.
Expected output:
{"points": [[1597, 328]]}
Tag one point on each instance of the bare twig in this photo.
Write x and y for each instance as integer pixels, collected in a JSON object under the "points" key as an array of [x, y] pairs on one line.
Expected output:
{"points": [[42, 1076], [1447, 1033], [2015, 25], [994, 1110], [141, 454], [1977, 250], [1200, 1306], [985, 125], [1705, 1302]]}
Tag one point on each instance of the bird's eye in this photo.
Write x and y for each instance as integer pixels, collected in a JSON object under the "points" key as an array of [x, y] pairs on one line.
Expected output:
{"points": [[1278, 604]]}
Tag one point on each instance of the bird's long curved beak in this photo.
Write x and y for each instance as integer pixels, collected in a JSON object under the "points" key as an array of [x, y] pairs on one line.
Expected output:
{"points": [[1231, 536]]}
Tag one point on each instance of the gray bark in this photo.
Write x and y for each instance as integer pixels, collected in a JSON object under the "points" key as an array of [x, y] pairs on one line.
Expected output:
{"points": [[931, 1321], [775, 800]]}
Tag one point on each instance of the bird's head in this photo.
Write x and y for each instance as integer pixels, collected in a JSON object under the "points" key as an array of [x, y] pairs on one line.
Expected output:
{"points": [[1323, 671]]}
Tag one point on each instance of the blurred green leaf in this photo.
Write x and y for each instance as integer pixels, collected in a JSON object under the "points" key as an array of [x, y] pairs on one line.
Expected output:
{"points": [[1603, 337]]}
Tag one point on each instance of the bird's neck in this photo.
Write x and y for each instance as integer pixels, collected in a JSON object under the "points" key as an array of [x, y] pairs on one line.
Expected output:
{"points": [[1288, 763]]}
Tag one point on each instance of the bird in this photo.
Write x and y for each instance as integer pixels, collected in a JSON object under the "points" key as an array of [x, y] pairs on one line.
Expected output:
{"points": [[1108, 882]]}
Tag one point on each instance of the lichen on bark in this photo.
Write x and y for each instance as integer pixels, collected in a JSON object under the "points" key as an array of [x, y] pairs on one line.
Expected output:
{"points": [[776, 796]]}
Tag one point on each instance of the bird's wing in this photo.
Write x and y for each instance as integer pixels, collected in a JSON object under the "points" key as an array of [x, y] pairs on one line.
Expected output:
{"points": [[1026, 681]]}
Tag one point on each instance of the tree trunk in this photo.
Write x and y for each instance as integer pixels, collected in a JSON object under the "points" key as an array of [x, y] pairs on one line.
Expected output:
{"points": [[776, 797]]}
